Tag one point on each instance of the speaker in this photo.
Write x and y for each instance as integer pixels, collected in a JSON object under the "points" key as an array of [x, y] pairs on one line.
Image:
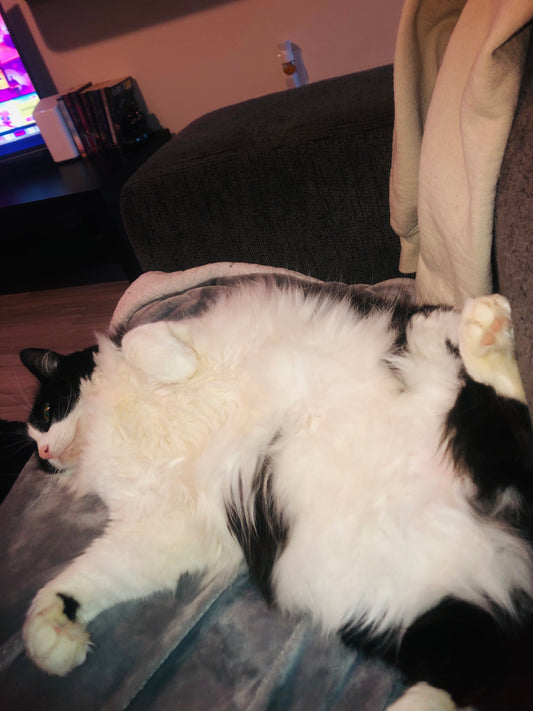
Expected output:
{"points": [[53, 129]]}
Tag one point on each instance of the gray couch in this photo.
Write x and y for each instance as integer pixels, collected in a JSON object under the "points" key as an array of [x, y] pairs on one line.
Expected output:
{"points": [[297, 179]]}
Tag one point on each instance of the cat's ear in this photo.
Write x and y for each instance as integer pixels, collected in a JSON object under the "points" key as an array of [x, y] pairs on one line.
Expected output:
{"points": [[41, 362]]}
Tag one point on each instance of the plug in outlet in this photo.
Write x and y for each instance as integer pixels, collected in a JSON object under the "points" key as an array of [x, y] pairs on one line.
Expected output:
{"points": [[292, 64]]}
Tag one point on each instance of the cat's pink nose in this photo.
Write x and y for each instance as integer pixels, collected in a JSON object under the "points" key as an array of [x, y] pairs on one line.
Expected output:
{"points": [[44, 451]]}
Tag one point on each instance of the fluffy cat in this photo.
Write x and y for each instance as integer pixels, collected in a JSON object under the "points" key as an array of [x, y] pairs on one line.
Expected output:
{"points": [[371, 462]]}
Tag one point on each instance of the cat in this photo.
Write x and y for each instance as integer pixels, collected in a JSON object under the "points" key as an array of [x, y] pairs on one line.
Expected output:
{"points": [[372, 463]]}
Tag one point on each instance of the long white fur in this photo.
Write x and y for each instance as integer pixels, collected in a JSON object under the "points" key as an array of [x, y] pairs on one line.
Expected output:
{"points": [[381, 527]]}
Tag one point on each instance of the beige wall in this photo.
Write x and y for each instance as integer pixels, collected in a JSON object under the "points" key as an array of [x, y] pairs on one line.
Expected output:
{"points": [[192, 56]]}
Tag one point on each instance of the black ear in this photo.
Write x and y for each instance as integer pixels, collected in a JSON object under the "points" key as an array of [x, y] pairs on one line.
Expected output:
{"points": [[41, 362]]}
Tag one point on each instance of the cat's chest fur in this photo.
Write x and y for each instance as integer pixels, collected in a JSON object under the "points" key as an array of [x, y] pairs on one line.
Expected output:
{"points": [[334, 377]]}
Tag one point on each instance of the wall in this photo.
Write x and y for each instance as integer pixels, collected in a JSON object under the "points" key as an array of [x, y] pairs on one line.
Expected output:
{"points": [[192, 56]]}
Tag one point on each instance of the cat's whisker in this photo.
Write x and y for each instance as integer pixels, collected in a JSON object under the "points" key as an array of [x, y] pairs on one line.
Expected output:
{"points": [[16, 448], [45, 491], [22, 391], [18, 399]]}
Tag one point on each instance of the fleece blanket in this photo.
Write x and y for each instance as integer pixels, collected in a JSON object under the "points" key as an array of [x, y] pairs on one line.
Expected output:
{"points": [[208, 646], [458, 68]]}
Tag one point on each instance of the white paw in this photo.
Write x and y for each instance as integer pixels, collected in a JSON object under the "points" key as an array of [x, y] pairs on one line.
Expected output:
{"points": [[423, 697], [54, 642], [157, 350], [486, 344], [486, 325]]}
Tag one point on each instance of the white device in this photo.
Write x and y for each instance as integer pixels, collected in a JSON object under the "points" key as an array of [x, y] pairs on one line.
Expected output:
{"points": [[53, 129]]}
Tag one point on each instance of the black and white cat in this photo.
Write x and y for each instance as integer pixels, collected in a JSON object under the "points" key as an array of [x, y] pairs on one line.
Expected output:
{"points": [[372, 463]]}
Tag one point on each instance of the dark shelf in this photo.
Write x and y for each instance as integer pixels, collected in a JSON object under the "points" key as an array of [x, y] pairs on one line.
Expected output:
{"points": [[61, 222]]}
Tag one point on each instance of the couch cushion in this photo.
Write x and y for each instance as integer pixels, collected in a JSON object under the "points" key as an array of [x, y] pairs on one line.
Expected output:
{"points": [[296, 179]]}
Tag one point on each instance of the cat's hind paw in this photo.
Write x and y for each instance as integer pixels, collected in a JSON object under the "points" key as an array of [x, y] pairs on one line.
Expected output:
{"points": [[486, 344], [54, 640]]}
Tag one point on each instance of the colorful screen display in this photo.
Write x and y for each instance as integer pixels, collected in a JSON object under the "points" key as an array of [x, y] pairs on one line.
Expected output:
{"points": [[18, 99]]}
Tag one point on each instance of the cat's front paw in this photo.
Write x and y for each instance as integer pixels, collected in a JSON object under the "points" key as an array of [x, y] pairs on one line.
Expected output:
{"points": [[54, 640], [486, 344]]}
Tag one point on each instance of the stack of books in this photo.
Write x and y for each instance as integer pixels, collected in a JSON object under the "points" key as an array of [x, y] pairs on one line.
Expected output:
{"points": [[103, 117]]}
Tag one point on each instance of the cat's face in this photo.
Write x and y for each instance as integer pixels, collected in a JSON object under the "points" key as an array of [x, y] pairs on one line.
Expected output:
{"points": [[54, 419]]}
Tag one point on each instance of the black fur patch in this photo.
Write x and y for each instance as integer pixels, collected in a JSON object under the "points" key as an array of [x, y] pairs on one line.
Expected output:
{"points": [[263, 535], [491, 436], [458, 647], [70, 606]]}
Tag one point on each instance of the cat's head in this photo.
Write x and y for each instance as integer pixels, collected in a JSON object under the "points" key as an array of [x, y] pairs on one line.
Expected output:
{"points": [[54, 419]]}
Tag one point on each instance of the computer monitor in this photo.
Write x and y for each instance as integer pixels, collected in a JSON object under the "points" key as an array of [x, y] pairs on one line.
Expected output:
{"points": [[18, 98]]}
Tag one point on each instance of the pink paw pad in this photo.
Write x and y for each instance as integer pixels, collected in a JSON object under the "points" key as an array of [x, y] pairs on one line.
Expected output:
{"points": [[489, 336]]}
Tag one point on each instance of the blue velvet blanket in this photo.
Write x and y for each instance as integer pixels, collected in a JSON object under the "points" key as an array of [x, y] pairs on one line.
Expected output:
{"points": [[209, 646]]}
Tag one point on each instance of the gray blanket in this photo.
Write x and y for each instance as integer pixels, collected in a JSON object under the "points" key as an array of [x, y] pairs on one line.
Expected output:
{"points": [[208, 646]]}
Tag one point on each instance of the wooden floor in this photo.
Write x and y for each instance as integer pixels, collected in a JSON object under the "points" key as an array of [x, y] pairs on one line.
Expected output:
{"points": [[63, 320]]}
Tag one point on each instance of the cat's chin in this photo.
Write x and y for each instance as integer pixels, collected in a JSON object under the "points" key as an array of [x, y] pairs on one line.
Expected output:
{"points": [[67, 461], [56, 468], [60, 467], [51, 466]]}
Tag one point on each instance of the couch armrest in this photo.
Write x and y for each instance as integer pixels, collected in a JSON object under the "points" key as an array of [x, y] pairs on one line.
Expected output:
{"points": [[297, 179]]}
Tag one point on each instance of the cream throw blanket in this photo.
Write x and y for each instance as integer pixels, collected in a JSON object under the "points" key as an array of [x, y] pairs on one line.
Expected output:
{"points": [[458, 68]]}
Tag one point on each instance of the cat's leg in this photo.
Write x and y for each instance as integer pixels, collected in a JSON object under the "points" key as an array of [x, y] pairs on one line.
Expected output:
{"points": [[486, 344], [158, 350], [124, 564]]}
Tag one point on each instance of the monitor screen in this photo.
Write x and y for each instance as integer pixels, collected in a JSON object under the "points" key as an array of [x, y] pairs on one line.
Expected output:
{"points": [[18, 99]]}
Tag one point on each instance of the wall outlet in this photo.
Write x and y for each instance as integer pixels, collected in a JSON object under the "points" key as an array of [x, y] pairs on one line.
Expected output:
{"points": [[290, 56]]}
